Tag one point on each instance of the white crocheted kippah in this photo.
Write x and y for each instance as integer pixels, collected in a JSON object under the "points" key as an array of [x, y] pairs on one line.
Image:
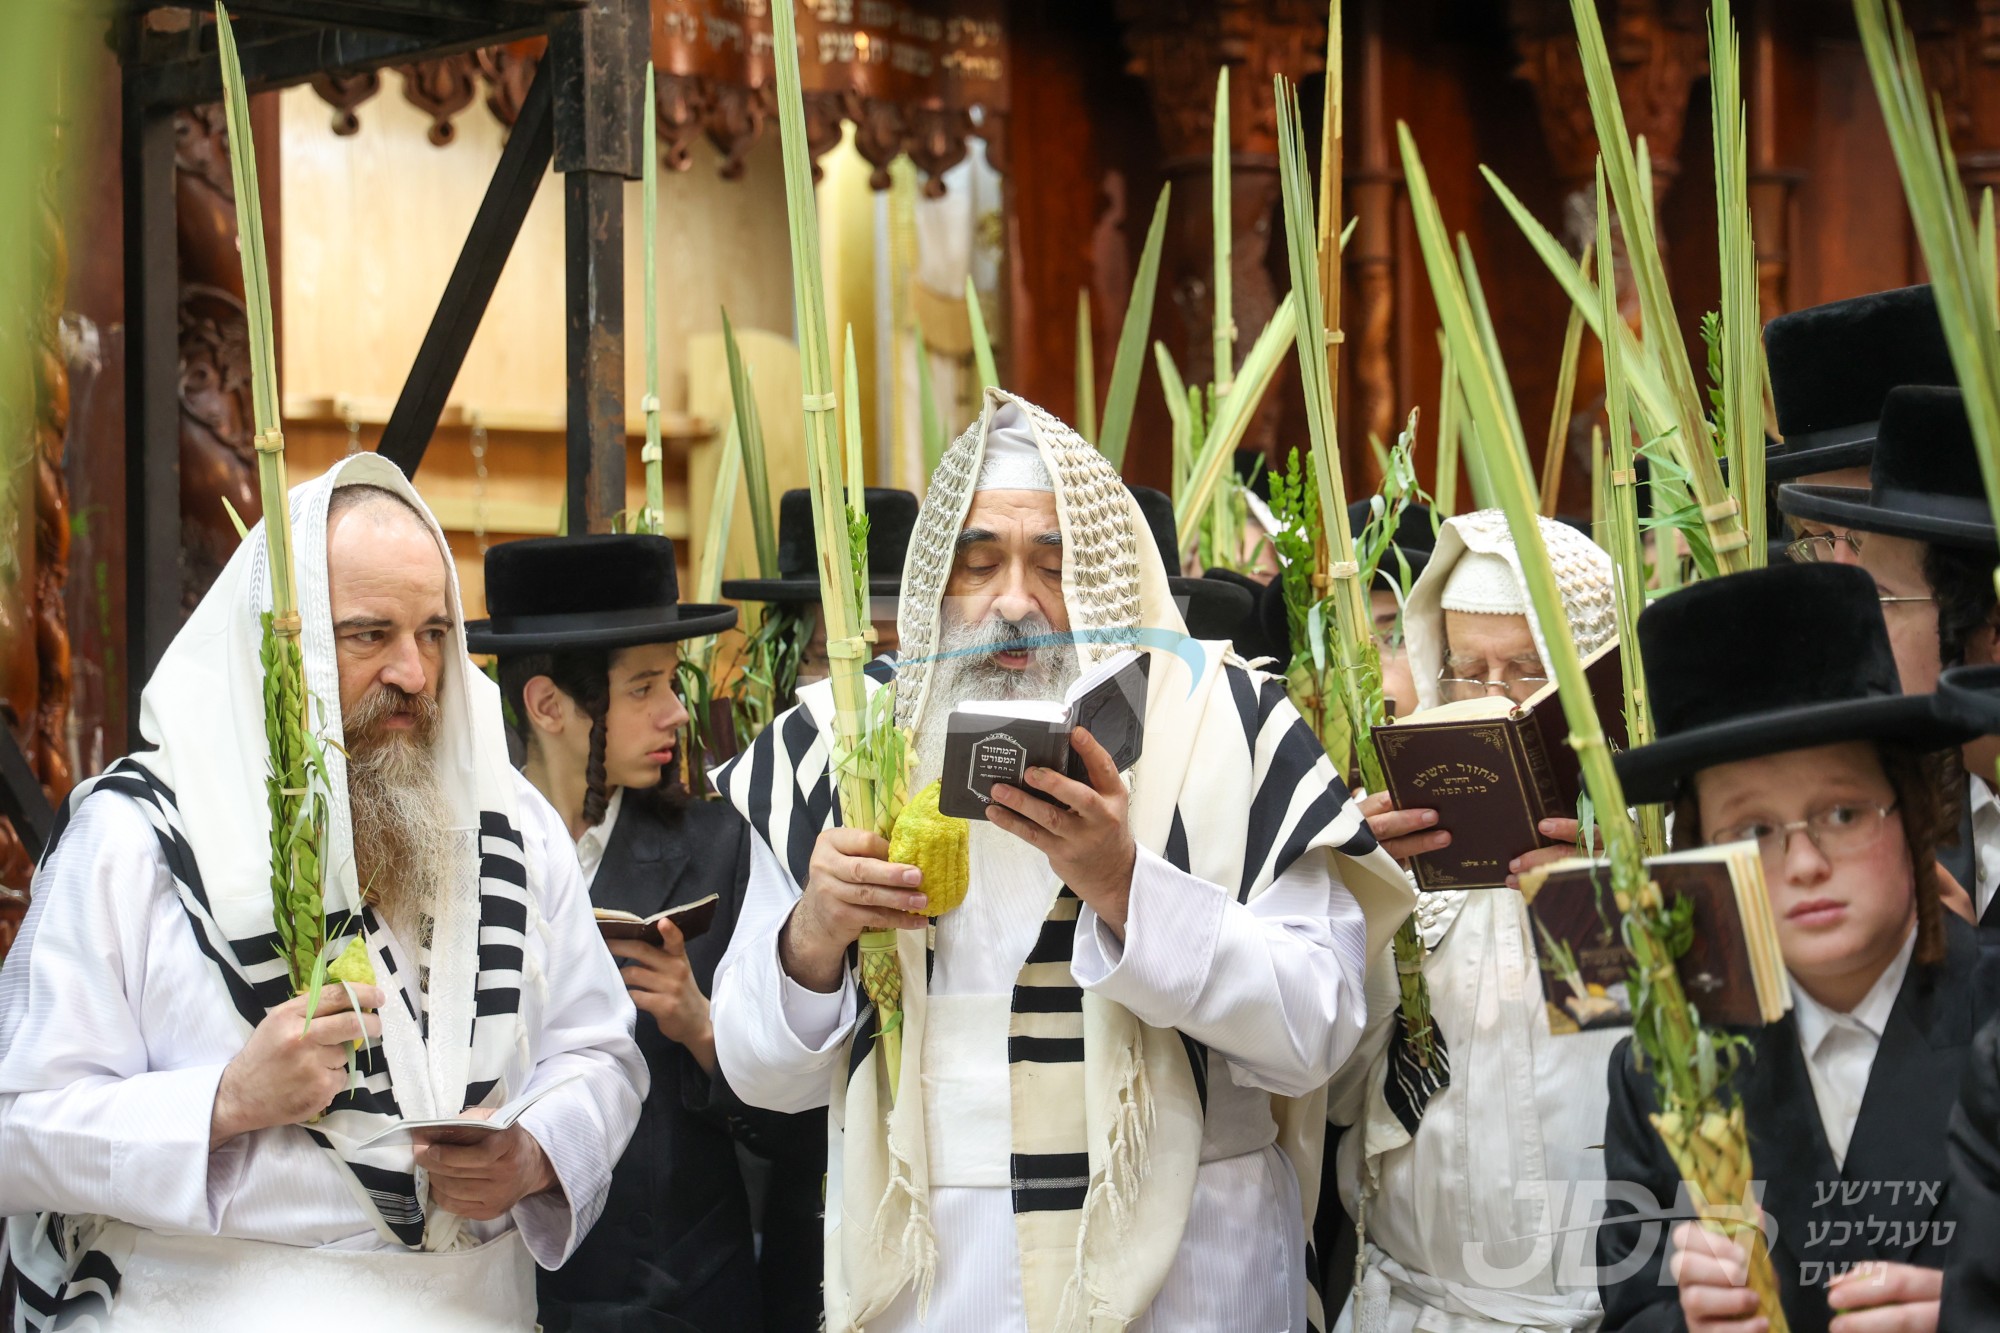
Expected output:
{"points": [[1012, 462], [1483, 583]]}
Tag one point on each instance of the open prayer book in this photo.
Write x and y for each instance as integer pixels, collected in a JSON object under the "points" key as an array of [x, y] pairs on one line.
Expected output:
{"points": [[465, 1128], [691, 919], [1733, 971], [1494, 770], [993, 741]]}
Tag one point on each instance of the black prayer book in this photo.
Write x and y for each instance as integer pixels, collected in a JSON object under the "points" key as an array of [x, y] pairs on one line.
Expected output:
{"points": [[995, 741]]}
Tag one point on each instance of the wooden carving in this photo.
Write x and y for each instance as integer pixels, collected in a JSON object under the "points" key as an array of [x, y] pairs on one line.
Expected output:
{"points": [[508, 72], [217, 459], [344, 92], [441, 89]]}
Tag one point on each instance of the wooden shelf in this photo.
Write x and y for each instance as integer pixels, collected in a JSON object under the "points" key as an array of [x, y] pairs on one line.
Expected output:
{"points": [[340, 411]]}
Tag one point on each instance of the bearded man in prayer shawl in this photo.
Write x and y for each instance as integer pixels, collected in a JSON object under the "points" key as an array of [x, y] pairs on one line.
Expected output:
{"points": [[1113, 1053], [182, 1147]]}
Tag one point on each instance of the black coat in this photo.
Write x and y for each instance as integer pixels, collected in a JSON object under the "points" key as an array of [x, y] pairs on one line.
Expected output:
{"points": [[673, 1250], [1888, 1201], [1972, 1273]]}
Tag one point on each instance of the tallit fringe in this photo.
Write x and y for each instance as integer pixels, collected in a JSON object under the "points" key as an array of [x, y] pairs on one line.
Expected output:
{"points": [[1117, 1193], [918, 1244]]}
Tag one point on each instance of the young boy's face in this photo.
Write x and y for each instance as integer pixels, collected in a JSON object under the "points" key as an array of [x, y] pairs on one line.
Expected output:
{"points": [[1844, 908]]}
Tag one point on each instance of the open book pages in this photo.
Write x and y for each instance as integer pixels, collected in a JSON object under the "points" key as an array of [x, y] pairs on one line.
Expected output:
{"points": [[1733, 971], [691, 919], [465, 1128]]}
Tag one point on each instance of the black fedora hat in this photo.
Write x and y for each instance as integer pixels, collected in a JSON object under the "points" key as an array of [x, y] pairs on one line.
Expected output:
{"points": [[1212, 609], [1832, 366], [1971, 694], [892, 517], [1924, 482], [1784, 658], [603, 590]]}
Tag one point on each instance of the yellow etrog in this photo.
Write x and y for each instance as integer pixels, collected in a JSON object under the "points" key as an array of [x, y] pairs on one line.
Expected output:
{"points": [[353, 965], [936, 844]]}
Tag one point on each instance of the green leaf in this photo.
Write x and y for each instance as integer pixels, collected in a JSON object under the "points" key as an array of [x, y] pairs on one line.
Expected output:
{"points": [[1123, 396], [982, 342], [1086, 369]]}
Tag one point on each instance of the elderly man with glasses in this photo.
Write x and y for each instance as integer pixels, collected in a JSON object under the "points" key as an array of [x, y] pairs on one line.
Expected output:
{"points": [[1510, 1107], [1922, 531]]}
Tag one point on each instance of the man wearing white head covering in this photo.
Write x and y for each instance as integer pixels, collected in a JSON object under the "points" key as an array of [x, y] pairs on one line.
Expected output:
{"points": [[1114, 1052], [182, 1148], [1476, 1197]]}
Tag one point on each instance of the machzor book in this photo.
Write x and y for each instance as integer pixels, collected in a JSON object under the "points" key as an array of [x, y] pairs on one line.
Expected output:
{"points": [[465, 1128], [994, 741], [692, 919], [1733, 970], [1494, 770]]}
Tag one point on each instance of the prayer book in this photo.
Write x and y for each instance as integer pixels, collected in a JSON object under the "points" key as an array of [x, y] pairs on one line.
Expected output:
{"points": [[692, 919], [1494, 770], [464, 1128], [994, 741], [1732, 970]]}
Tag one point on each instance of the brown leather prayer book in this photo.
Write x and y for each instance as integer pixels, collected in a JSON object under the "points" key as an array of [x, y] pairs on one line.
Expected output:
{"points": [[691, 919], [1733, 970], [1494, 770]]}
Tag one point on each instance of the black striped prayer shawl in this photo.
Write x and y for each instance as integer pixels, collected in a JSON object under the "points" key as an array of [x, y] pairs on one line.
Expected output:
{"points": [[63, 1279], [1101, 1182]]}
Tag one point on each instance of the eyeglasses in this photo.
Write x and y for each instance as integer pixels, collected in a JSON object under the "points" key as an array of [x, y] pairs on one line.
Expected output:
{"points": [[1837, 831], [1456, 689], [1887, 600], [1815, 547]]}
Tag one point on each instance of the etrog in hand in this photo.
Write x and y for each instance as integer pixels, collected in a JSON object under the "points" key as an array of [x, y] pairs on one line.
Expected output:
{"points": [[936, 844]]}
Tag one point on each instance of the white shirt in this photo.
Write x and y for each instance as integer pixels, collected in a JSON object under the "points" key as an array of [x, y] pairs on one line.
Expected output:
{"points": [[590, 847], [1482, 1220], [1840, 1048], [1985, 844], [114, 1031], [1272, 988]]}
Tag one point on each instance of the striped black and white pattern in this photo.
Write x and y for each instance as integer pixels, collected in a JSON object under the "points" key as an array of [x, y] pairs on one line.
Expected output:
{"points": [[1246, 752], [65, 1284]]}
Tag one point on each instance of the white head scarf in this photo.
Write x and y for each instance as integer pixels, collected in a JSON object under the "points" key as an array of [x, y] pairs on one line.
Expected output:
{"points": [[203, 711], [1482, 544]]}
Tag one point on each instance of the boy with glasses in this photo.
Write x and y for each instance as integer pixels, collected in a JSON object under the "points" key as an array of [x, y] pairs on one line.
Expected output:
{"points": [[1923, 532], [1780, 721]]}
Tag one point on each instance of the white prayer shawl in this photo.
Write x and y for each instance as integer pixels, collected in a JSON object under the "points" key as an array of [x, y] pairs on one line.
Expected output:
{"points": [[1232, 788], [202, 787]]}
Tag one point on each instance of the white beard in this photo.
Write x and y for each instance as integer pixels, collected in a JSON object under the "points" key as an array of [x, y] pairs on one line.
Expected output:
{"points": [[962, 673]]}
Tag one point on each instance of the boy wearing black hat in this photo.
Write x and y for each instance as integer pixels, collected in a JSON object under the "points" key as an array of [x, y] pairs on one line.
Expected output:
{"points": [[1813, 752], [588, 633], [1831, 367], [1924, 532]]}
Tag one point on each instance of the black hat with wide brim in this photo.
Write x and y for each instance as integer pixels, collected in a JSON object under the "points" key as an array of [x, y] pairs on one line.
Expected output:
{"points": [[1971, 694], [1833, 366], [1212, 608], [604, 590], [1786, 658], [1924, 482], [892, 517]]}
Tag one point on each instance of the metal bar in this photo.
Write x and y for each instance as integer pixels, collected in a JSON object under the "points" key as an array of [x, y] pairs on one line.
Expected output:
{"points": [[594, 230], [152, 396], [524, 162], [280, 62], [596, 61], [22, 798]]}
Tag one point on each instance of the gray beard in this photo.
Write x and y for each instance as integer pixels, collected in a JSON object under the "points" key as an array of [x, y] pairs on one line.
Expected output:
{"points": [[406, 853], [962, 673]]}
